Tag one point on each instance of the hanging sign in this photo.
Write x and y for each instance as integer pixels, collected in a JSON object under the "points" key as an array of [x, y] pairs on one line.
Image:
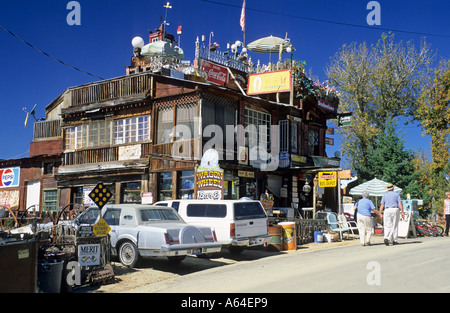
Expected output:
{"points": [[215, 73], [209, 177], [327, 179]]}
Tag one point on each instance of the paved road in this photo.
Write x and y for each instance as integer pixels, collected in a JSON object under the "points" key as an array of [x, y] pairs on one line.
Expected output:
{"points": [[416, 265]]}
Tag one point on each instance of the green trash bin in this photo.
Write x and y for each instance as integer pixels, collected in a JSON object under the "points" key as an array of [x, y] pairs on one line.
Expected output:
{"points": [[49, 276]]}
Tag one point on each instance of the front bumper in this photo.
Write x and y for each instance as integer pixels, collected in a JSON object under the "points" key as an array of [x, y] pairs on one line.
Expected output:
{"points": [[251, 241]]}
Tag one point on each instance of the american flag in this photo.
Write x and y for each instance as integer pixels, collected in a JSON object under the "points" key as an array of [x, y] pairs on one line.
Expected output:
{"points": [[242, 22]]}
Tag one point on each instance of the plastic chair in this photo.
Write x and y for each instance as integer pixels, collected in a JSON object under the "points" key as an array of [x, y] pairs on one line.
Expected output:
{"points": [[334, 225], [344, 223]]}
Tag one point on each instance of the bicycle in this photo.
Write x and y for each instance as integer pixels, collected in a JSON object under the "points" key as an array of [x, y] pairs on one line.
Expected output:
{"points": [[424, 228]]}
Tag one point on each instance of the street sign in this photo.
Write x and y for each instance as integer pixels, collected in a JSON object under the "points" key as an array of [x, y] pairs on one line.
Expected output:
{"points": [[101, 228], [100, 195], [327, 179]]}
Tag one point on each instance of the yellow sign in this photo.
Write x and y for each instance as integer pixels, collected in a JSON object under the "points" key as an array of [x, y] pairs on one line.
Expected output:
{"points": [[327, 179], [101, 228], [100, 195], [270, 82]]}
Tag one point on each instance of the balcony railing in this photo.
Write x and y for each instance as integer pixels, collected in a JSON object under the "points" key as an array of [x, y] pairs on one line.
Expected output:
{"points": [[111, 89], [46, 129]]}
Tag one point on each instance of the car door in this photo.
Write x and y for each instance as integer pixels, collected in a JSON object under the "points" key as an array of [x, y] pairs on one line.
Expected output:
{"points": [[112, 217]]}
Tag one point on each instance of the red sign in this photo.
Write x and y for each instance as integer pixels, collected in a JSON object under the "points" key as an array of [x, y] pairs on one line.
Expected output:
{"points": [[215, 73]]}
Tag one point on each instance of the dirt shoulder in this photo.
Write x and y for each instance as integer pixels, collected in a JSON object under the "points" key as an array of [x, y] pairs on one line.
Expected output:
{"points": [[153, 270]]}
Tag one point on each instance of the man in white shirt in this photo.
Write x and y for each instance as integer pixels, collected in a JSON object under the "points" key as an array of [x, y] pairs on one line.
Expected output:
{"points": [[391, 203]]}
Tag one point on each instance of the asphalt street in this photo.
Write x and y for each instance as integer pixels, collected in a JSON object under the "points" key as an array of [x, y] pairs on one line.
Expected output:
{"points": [[415, 265]]}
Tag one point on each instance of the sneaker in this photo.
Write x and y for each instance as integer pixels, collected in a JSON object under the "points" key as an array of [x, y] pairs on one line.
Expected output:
{"points": [[368, 244], [395, 243], [386, 242]]}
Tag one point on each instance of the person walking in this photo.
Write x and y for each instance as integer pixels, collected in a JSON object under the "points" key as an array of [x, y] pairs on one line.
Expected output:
{"points": [[365, 207], [391, 204], [447, 212]]}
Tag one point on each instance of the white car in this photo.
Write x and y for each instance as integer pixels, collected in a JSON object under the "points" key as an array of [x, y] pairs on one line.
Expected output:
{"points": [[143, 230], [239, 224]]}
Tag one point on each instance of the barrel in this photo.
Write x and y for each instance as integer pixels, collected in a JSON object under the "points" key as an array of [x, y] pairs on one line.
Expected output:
{"points": [[275, 242], [289, 238], [318, 236], [50, 275]]}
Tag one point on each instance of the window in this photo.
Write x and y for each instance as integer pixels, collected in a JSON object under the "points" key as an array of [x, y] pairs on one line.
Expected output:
{"points": [[133, 129], [165, 186], [248, 210], [131, 192], [89, 217], [313, 142], [259, 134], [50, 199], [186, 115], [149, 215], [185, 185], [206, 210], [73, 138], [112, 217]]}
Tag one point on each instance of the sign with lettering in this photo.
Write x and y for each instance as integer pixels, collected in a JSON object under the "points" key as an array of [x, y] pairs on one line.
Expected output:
{"points": [[327, 179], [215, 73], [209, 177], [89, 254], [270, 82], [9, 177], [101, 228]]}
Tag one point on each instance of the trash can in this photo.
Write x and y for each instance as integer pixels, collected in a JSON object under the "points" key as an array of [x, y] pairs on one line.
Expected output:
{"points": [[318, 236], [289, 238], [49, 276]]}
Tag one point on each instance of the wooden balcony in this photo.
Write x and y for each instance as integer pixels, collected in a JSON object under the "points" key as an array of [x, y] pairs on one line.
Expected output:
{"points": [[44, 130], [111, 89]]}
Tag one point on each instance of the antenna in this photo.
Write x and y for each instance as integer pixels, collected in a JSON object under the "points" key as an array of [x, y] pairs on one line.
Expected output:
{"points": [[29, 113], [167, 6]]}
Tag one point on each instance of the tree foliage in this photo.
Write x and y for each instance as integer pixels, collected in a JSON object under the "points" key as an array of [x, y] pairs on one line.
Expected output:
{"points": [[376, 83]]}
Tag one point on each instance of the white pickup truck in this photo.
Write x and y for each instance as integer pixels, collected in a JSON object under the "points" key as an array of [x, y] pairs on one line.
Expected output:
{"points": [[238, 223]]}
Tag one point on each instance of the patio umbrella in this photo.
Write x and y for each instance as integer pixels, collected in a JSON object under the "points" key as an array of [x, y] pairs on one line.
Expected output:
{"points": [[270, 45], [375, 188]]}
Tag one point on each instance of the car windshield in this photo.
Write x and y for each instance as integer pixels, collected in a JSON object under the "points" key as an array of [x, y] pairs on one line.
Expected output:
{"points": [[89, 216], [148, 215]]}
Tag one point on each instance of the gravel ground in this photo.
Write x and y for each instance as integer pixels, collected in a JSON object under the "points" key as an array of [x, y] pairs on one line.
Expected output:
{"points": [[152, 270]]}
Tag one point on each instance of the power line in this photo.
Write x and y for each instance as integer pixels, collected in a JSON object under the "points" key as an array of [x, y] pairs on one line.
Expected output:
{"points": [[48, 55], [328, 21]]}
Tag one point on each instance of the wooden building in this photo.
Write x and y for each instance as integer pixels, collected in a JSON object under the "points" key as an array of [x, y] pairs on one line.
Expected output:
{"points": [[144, 134]]}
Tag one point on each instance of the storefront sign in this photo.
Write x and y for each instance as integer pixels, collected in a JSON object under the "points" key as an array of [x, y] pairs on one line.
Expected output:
{"points": [[327, 179], [215, 73], [297, 160], [270, 82], [246, 174], [89, 254], [9, 177], [326, 106], [243, 155], [147, 198], [329, 141], [209, 177]]}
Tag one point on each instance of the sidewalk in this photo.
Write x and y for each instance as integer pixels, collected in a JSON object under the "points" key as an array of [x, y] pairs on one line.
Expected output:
{"points": [[376, 239]]}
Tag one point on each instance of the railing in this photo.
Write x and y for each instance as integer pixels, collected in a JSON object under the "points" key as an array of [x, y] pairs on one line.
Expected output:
{"points": [[224, 59], [111, 89], [91, 156], [47, 129]]}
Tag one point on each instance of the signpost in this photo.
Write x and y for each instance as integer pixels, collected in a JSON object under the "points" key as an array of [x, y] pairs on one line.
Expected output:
{"points": [[100, 195]]}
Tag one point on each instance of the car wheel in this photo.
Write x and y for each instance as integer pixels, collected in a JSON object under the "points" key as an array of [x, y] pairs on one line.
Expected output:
{"points": [[128, 254]]}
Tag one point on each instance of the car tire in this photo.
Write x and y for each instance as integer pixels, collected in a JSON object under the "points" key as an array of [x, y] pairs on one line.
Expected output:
{"points": [[128, 254]]}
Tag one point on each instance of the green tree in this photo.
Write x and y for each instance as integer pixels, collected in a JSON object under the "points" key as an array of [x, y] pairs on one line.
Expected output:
{"points": [[389, 161], [376, 83]]}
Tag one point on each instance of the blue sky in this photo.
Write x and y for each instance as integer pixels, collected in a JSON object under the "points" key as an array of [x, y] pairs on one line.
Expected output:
{"points": [[101, 45]]}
